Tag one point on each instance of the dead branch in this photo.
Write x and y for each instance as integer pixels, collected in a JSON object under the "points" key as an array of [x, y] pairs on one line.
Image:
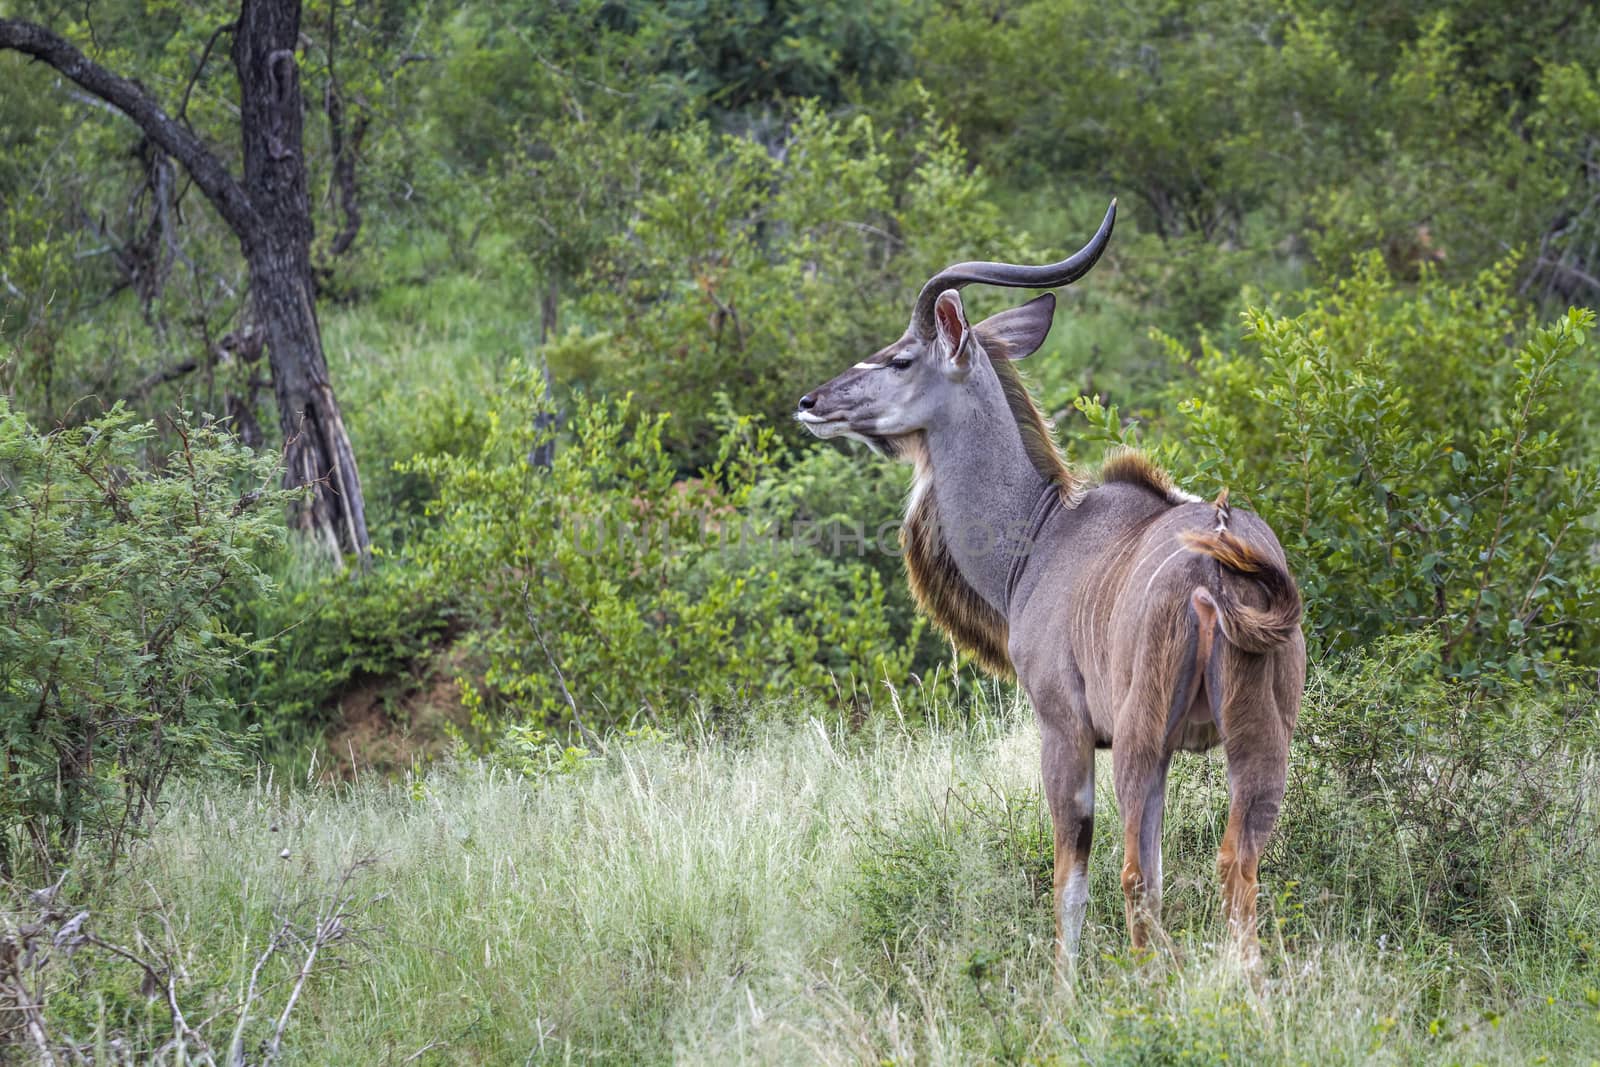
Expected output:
{"points": [[343, 149], [332, 926], [130, 98], [205, 54], [27, 948]]}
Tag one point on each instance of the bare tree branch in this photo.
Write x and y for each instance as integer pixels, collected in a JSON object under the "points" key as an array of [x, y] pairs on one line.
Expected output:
{"points": [[183, 108], [344, 150], [130, 98], [162, 375]]}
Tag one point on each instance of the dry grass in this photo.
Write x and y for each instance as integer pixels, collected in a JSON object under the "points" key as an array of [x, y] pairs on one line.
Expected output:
{"points": [[799, 895]]}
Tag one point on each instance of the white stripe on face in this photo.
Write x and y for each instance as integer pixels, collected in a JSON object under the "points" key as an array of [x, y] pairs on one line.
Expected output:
{"points": [[869, 366]]}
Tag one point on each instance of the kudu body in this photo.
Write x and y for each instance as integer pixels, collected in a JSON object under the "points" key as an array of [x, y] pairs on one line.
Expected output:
{"points": [[1134, 615]]}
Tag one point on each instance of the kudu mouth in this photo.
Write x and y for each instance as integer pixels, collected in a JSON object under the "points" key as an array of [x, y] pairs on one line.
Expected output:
{"points": [[833, 422], [828, 426]]}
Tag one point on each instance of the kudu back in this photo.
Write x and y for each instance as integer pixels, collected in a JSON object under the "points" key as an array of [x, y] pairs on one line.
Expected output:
{"points": [[1134, 615]]}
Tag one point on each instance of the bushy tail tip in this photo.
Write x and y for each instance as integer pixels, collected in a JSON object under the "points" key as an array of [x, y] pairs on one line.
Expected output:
{"points": [[1250, 628]]}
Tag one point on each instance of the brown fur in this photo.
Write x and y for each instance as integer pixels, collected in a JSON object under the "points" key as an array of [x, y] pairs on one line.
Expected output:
{"points": [[937, 585], [1038, 438], [1129, 465], [1251, 629]]}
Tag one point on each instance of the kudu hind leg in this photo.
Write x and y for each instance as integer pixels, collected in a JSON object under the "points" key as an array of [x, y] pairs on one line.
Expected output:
{"points": [[1250, 821], [1168, 677], [1257, 746], [1141, 784], [1067, 756]]}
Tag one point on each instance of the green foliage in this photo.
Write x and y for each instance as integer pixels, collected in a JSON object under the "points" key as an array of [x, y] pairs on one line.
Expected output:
{"points": [[535, 753], [1473, 838], [40, 296], [112, 648], [606, 586], [1382, 184], [740, 53], [564, 191], [1428, 461], [1159, 100], [327, 632], [1563, 127], [1244, 134], [758, 275], [652, 65]]}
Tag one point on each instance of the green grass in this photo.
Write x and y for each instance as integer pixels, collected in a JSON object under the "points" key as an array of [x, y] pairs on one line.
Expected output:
{"points": [[803, 895]]}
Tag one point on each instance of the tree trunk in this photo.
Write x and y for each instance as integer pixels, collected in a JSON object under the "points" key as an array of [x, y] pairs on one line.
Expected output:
{"points": [[549, 304], [317, 449], [270, 213]]}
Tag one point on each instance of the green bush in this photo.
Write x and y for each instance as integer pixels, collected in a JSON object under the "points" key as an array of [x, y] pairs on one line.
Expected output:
{"points": [[607, 587], [758, 272], [1470, 808], [1428, 459], [654, 65], [115, 559], [324, 632]]}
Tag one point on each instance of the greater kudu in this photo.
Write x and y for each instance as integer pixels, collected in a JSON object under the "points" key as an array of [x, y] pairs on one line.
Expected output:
{"points": [[1133, 614]]}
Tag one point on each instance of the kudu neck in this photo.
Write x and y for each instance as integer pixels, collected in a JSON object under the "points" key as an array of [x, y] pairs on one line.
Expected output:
{"points": [[987, 489]]}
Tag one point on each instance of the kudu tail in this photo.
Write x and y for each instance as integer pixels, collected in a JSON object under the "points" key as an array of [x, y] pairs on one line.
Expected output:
{"points": [[1249, 628]]}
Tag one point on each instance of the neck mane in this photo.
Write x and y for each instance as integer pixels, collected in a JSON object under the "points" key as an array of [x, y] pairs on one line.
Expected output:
{"points": [[1038, 436], [937, 584]]}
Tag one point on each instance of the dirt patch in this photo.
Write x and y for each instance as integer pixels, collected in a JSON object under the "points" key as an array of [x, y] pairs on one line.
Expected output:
{"points": [[390, 724]]}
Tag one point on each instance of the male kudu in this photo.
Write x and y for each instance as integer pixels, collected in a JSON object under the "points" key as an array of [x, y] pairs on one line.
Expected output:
{"points": [[1133, 614]]}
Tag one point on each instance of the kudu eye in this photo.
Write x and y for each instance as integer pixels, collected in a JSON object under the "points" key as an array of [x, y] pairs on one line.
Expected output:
{"points": [[900, 363]]}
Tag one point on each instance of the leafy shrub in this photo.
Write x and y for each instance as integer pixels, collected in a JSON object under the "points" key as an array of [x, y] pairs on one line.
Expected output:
{"points": [[1470, 808], [606, 586], [323, 632], [111, 645], [653, 65], [1255, 131], [1428, 459], [1224, 1027], [758, 272], [1163, 104], [35, 265]]}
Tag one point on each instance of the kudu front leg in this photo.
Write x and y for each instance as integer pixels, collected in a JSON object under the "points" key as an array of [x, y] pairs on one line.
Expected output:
{"points": [[1067, 757]]}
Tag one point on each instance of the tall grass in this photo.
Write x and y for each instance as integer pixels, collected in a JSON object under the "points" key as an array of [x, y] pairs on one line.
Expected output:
{"points": [[805, 895]]}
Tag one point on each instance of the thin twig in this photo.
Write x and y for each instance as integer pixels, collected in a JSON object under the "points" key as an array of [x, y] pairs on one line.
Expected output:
{"points": [[251, 992], [417, 1055], [561, 679], [183, 108]]}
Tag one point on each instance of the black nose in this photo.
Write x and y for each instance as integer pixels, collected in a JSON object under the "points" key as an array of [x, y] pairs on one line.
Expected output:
{"points": [[808, 402]]}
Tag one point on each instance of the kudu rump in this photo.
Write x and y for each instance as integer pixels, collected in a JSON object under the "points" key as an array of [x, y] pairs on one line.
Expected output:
{"points": [[1133, 614]]}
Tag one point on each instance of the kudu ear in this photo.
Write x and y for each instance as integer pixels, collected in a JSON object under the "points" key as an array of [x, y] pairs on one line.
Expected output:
{"points": [[951, 331], [1017, 332]]}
